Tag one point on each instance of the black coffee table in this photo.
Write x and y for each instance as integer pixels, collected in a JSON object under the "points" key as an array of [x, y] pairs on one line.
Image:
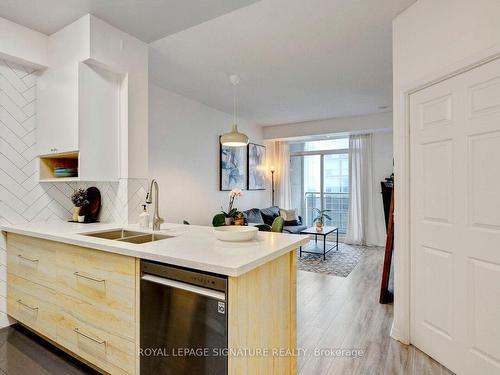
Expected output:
{"points": [[317, 249]]}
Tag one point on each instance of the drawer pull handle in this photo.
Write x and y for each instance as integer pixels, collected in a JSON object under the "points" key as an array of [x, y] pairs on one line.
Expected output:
{"points": [[100, 342], [28, 259], [26, 305], [78, 274]]}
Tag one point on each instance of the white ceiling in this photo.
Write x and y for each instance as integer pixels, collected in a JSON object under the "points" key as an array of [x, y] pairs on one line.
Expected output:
{"points": [[298, 60], [147, 20]]}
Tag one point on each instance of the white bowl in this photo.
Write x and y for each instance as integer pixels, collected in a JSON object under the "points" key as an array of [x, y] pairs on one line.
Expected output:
{"points": [[235, 233]]}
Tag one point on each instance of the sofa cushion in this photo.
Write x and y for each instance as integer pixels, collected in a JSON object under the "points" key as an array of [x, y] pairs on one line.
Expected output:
{"points": [[253, 216], [289, 215], [294, 229], [269, 214]]}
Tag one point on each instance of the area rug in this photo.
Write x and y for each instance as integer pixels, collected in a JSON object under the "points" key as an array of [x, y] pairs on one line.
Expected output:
{"points": [[337, 263]]}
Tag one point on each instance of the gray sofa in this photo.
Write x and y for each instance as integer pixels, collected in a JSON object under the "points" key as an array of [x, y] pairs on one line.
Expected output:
{"points": [[267, 216]]}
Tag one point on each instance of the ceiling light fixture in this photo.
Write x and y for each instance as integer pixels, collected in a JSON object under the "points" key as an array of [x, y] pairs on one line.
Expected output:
{"points": [[234, 138]]}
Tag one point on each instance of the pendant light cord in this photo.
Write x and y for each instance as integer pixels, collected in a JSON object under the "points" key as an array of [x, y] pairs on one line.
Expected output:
{"points": [[235, 105]]}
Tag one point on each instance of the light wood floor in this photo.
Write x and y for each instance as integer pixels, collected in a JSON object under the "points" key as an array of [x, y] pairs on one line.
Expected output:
{"points": [[344, 313]]}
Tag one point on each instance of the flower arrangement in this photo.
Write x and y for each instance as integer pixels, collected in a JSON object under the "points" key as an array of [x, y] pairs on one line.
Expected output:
{"points": [[233, 194], [227, 217], [79, 199]]}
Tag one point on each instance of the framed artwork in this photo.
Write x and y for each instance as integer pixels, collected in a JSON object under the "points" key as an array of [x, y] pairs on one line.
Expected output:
{"points": [[232, 166], [256, 168]]}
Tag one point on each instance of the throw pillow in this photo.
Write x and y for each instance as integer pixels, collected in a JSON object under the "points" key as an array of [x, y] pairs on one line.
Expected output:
{"points": [[269, 214], [291, 217], [253, 216]]}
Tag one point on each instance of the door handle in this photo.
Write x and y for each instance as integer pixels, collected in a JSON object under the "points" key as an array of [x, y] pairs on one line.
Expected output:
{"points": [[28, 259], [187, 287], [100, 342], [26, 305], [78, 274]]}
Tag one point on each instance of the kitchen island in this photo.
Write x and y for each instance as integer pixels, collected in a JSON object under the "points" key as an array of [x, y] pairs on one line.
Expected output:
{"points": [[82, 292]]}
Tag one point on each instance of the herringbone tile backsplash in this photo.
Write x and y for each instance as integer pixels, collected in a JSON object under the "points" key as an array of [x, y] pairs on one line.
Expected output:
{"points": [[22, 198]]}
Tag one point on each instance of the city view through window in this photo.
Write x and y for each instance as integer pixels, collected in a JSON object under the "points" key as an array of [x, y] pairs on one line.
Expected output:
{"points": [[320, 179]]}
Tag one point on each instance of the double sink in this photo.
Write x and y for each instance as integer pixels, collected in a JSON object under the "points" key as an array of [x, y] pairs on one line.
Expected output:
{"points": [[124, 235]]}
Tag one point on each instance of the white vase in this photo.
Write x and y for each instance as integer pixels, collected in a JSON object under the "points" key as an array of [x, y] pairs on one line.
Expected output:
{"points": [[81, 219], [228, 220]]}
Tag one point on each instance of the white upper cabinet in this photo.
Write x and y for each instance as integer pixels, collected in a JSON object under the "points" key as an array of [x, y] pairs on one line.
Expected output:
{"points": [[78, 120], [57, 111]]}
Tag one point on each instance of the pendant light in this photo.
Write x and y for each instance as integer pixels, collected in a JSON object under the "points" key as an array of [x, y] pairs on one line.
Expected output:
{"points": [[234, 138]]}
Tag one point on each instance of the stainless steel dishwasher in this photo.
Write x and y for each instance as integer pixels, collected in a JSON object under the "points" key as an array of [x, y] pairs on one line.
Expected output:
{"points": [[183, 321]]}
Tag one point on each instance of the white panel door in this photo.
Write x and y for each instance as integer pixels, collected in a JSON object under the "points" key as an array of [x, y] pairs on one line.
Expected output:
{"points": [[455, 205]]}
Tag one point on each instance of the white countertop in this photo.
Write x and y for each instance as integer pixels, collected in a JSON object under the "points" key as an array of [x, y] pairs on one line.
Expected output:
{"points": [[191, 246]]}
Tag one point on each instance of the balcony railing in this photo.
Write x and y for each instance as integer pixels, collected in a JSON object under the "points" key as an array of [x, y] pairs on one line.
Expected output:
{"points": [[338, 203]]}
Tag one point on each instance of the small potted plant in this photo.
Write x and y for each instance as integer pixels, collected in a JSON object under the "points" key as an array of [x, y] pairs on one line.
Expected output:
{"points": [[239, 218], [79, 199], [321, 215], [231, 211]]}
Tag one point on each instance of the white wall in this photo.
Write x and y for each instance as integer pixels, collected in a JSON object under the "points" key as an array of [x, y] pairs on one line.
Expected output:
{"points": [[348, 125], [431, 38], [125, 53], [22, 45], [434, 34], [184, 157]]}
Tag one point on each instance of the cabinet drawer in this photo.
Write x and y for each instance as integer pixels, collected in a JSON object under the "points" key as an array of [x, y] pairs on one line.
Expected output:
{"points": [[106, 351], [32, 259], [113, 313], [98, 288], [97, 267], [32, 304]]}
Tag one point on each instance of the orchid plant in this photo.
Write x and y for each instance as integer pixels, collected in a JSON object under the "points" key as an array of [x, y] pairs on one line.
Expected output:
{"points": [[233, 195]]}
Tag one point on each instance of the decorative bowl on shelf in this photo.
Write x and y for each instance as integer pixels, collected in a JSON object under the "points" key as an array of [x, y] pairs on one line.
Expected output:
{"points": [[235, 233]]}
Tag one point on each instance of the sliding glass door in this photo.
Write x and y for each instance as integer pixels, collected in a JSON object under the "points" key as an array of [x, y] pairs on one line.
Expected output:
{"points": [[336, 189], [320, 179], [306, 185]]}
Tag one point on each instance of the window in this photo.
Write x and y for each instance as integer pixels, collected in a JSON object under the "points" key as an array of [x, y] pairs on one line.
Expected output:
{"points": [[320, 179]]}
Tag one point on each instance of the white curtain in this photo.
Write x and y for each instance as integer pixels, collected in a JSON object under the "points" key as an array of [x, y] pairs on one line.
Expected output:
{"points": [[283, 193], [362, 225]]}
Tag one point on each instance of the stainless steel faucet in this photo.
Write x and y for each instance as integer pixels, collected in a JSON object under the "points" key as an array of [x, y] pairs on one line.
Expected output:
{"points": [[157, 220]]}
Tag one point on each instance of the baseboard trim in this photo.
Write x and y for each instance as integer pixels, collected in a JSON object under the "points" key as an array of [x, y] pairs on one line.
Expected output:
{"points": [[396, 335]]}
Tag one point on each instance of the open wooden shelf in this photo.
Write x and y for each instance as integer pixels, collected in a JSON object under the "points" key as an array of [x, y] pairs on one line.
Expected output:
{"points": [[49, 162]]}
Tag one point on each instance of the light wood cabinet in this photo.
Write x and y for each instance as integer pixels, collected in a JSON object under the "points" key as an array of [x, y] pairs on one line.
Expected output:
{"points": [[106, 351], [32, 259], [98, 285], [87, 302], [78, 119], [33, 304], [262, 315], [84, 300]]}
